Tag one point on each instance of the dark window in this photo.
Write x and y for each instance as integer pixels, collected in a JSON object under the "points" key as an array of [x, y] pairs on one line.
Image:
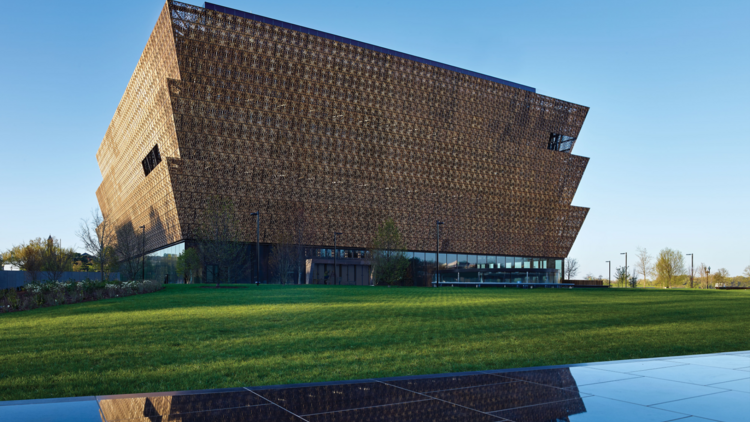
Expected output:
{"points": [[561, 143], [153, 158]]}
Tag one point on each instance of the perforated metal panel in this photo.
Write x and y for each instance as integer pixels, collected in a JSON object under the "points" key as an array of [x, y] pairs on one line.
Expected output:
{"points": [[278, 119]]}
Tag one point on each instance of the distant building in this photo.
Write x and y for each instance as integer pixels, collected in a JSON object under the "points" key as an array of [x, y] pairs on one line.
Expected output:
{"points": [[283, 119]]}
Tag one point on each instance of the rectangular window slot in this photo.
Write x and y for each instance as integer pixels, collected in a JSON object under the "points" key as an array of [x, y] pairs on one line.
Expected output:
{"points": [[561, 143], [153, 158]]}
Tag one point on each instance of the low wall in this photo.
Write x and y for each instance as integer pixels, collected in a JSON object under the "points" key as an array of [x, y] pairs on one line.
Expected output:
{"points": [[13, 279]]}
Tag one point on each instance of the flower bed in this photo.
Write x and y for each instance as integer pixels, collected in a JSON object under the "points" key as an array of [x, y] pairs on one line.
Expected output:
{"points": [[52, 293]]}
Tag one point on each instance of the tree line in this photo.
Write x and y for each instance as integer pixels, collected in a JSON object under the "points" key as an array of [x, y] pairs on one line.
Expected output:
{"points": [[669, 268]]}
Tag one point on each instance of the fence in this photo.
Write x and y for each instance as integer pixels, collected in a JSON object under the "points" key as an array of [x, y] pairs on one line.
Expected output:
{"points": [[13, 279]]}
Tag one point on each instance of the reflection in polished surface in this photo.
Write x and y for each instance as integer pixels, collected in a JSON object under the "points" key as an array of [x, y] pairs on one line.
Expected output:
{"points": [[420, 411], [612, 392], [329, 398], [491, 398], [138, 407], [427, 384]]}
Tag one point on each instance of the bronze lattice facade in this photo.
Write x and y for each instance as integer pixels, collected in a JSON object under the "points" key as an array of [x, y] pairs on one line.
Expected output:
{"points": [[277, 117]]}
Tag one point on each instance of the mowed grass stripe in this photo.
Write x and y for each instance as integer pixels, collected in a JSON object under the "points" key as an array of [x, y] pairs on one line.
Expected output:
{"points": [[186, 337]]}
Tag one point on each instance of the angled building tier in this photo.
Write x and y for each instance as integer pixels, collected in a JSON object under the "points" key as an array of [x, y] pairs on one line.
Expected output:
{"points": [[279, 118]]}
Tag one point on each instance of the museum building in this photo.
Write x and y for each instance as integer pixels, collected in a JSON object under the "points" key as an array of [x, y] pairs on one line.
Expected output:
{"points": [[285, 121]]}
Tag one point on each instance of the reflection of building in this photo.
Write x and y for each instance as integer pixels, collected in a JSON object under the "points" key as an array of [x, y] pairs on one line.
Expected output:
{"points": [[281, 118]]}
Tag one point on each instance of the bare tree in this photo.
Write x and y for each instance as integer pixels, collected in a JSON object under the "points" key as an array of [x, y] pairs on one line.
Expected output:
{"points": [[571, 268], [670, 264], [643, 263], [219, 240], [283, 256], [55, 259], [747, 271], [98, 237], [300, 236], [129, 250]]}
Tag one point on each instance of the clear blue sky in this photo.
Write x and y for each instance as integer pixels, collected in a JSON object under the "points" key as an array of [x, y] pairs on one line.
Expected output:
{"points": [[667, 82]]}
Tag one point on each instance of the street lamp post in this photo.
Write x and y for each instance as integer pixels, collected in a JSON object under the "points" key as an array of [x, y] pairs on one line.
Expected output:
{"points": [[609, 277], [691, 269], [143, 253], [627, 274], [708, 278], [335, 274], [257, 243], [438, 223]]}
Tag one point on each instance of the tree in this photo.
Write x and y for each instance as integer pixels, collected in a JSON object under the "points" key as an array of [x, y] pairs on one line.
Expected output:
{"points": [[670, 264], [56, 259], [219, 243], [110, 263], [633, 281], [283, 258], [643, 263], [300, 236], [129, 250], [621, 277], [388, 254], [721, 276], [188, 264], [27, 257], [704, 275], [747, 271], [98, 237], [571, 268]]}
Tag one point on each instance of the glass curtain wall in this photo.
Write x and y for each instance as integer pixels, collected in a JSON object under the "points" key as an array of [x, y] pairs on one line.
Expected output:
{"points": [[162, 264]]}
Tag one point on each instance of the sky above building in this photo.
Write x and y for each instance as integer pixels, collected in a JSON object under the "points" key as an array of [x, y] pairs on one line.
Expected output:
{"points": [[667, 84]]}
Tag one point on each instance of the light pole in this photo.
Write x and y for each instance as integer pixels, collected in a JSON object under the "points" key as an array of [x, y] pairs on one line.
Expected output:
{"points": [[626, 267], [257, 243], [609, 277], [691, 269], [335, 274], [143, 253], [708, 278], [438, 223]]}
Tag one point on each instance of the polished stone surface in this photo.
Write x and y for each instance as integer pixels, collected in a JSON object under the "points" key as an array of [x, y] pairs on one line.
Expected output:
{"points": [[683, 388], [698, 374], [589, 409], [729, 406], [648, 391]]}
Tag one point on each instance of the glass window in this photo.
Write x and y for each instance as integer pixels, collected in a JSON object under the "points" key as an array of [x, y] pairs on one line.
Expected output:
{"points": [[419, 256], [473, 260], [451, 261], [463, 261], [429, 258], [500, 262], [491, 261], [409, 255], [519, 263], [527, 262], [482, 261]]}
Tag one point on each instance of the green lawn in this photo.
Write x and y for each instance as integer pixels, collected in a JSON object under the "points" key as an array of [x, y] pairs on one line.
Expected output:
{"points": [[187, 338]]}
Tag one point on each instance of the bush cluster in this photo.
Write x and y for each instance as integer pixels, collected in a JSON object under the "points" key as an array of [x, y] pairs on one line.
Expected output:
{"points": [[37, 294]]}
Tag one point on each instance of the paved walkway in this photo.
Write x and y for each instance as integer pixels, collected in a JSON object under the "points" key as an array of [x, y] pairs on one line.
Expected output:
{"points": [[694, 388]]}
